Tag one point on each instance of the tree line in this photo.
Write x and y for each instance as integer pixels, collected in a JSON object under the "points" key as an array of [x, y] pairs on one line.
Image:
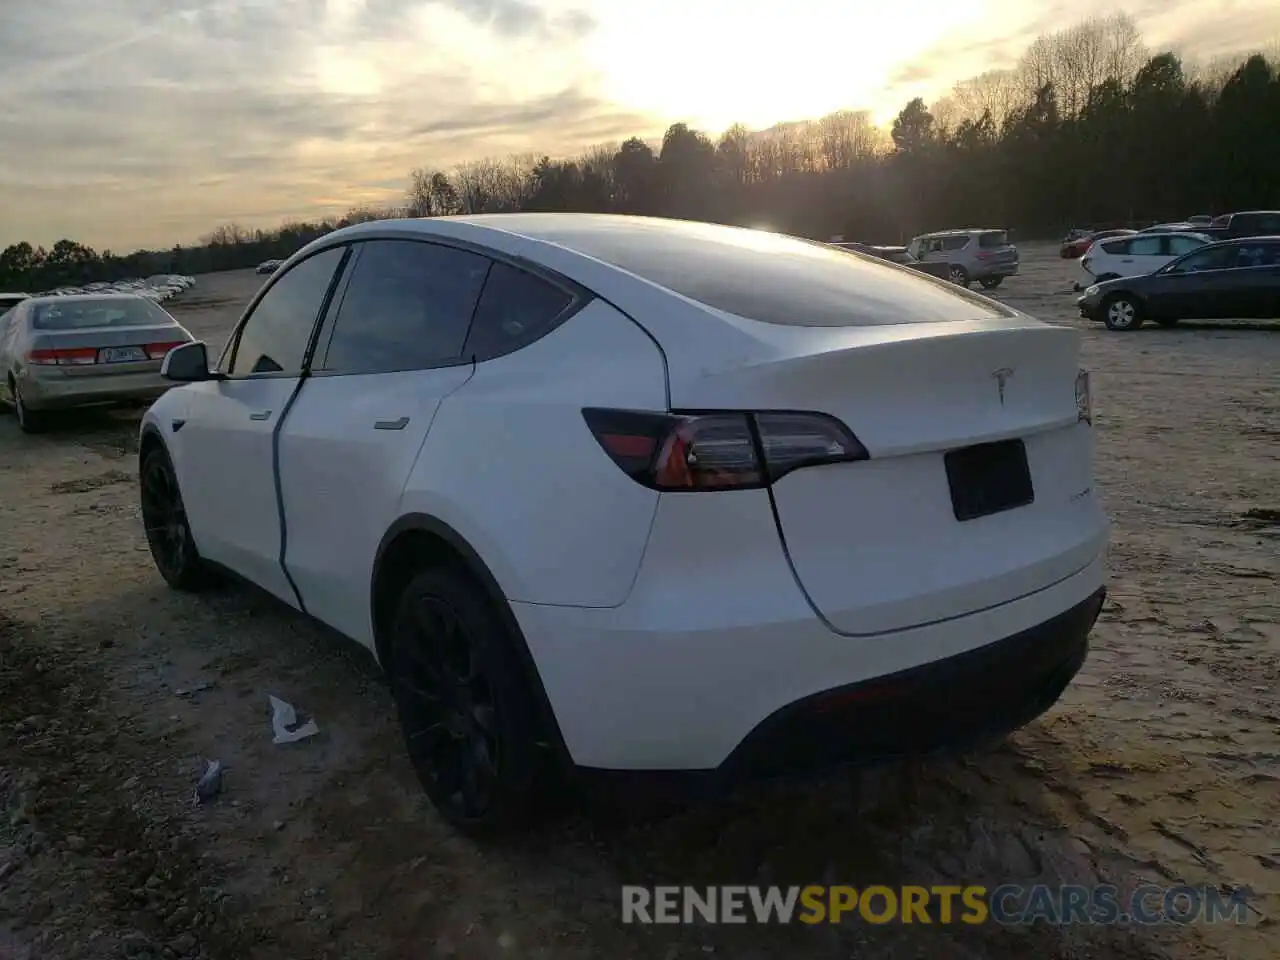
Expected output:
{"points": [[1089, 128]]}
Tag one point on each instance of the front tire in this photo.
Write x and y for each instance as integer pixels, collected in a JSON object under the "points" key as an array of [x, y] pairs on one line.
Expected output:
{"points": [[165, 519], [958, 275], [1122, 313], [465, 707]]}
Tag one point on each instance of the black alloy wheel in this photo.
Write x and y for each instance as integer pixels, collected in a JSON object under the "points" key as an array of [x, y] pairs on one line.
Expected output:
{"points": [[464, 707], [165, 520]]}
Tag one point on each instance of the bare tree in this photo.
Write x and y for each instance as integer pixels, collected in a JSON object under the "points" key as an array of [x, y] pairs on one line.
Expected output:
{"points": [[997, 93]]}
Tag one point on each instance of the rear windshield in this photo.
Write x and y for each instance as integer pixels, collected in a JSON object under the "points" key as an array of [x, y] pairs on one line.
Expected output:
{"points": [[993, 238], [82, 314], [772, 278]]}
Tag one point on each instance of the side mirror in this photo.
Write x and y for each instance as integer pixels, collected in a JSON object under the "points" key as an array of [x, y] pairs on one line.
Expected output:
{"points": [[188, 363]]}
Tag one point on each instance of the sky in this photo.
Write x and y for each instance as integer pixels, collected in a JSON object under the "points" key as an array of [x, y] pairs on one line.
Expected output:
{"points": [[128, 123]]}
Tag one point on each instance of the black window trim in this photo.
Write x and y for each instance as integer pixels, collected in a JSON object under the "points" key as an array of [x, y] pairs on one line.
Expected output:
{"points": [[579, 296], [226, 362]]}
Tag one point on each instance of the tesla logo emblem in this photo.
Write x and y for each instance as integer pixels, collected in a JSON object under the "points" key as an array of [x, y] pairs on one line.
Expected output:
{"points": [[1003, 376]]}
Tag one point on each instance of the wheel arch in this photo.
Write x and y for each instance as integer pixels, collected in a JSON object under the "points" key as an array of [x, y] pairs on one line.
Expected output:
{"points": [[417, 539], [150, 439]]}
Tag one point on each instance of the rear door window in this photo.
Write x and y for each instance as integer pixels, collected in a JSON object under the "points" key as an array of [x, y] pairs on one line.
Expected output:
{"points": [[1257, 255], [955, 243], [1147, 246], [1260, 224], [407, 306], [1180, 245], [515, 309]]}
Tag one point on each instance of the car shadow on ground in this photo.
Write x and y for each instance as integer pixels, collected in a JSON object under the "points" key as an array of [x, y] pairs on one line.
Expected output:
{"points": [[343, 812], [109, 430]]}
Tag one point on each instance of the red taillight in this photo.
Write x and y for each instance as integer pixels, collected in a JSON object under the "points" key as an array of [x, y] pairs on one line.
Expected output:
{"points": [[77, 356], [719, 450], [157, 351]]}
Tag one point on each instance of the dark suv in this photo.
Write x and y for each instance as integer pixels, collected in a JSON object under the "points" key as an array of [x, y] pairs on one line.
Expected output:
{"points": [[1249, 223]]}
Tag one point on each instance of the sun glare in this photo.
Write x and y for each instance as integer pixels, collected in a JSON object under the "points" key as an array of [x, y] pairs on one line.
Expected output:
{"points": [[714, 63]]}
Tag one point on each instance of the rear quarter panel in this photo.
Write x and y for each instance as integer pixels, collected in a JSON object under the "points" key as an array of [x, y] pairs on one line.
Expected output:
{"points": [[511, 466]]}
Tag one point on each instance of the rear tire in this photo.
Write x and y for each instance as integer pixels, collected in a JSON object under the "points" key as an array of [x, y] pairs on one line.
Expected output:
{"points": [[165, 519], [990, 283], [958, 275], [1122, 312], [466, 711], [29, 421]]}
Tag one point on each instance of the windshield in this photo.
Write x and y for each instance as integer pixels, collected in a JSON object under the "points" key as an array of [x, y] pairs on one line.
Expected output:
{"points": [[85, 314]]}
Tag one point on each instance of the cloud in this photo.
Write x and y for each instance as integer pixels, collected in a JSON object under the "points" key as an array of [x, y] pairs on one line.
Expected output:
{"points": [[1008, 27], [138, 122], [128, 122]]}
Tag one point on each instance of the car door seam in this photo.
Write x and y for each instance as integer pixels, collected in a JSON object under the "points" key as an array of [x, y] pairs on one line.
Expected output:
{"points": [[427, 432], [307, 355]]}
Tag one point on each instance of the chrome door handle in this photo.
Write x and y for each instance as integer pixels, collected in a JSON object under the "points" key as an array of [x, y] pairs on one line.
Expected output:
{"points": [[263, 415], [391, 424]]}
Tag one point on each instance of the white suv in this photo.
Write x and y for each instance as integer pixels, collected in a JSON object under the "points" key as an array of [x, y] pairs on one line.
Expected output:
{"points": [[1136, 255], [985, 256], [633, 496]]}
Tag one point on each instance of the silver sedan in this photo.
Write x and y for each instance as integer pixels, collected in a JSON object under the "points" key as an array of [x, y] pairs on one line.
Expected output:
{"points": [[71, 351]]}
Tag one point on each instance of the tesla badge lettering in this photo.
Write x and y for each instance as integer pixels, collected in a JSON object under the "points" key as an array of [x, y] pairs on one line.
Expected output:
{"points": [[1003, 376]]}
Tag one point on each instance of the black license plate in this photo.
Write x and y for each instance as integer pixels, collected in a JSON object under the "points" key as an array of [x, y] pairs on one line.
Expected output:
{"points": [[989, 478]]}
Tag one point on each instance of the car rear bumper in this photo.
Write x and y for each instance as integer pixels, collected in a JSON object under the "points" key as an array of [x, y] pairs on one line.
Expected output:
{"points": [[55, 392], [964, 700], [717, 642], [996, 270]]}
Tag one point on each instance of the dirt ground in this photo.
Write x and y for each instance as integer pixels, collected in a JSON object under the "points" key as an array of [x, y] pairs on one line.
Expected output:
{"points": [[1161, 763]]}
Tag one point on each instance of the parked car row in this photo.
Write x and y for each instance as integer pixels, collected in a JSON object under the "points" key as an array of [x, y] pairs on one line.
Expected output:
{"points": [[158, 288], [1228, 226]]}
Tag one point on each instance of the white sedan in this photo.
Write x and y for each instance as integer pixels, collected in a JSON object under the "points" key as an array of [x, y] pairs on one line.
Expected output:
{"points": [[1136, 255], [631, 497]]}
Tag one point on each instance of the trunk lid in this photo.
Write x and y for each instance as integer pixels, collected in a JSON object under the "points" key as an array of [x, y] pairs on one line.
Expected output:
{"points": [[879, 545], [104, 338]]}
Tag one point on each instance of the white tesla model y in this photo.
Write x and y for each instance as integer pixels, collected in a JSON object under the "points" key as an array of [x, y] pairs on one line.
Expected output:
{"points": [[638, 496]]}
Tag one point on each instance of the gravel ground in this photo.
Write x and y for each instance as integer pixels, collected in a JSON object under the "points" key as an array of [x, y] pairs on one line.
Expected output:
{"points": [[1160, 764]]}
